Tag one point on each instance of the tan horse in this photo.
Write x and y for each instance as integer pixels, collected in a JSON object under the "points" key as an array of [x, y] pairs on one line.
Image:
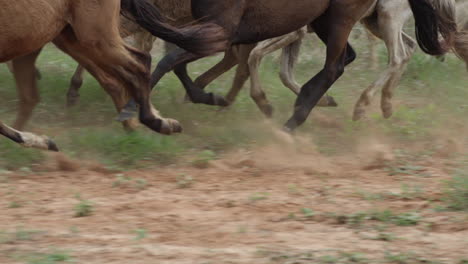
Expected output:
{"points": [[87, 30]]}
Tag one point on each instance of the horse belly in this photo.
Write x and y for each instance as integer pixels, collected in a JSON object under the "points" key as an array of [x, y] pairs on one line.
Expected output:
{"points": [[264, 19], [27, 25]]}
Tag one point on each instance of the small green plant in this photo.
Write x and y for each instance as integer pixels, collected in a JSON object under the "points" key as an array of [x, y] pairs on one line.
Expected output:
{"points": [[406, 219], [203, 158], [456, 191], [140, 234], [14, 204], [398, 258], [22, 234], [50, 258], [74, 230], [121, 180], [328, 259], [259, 196], [83, 208], [294, 189], [125, 181], [308, 213], [184, 181], [385, 237]]}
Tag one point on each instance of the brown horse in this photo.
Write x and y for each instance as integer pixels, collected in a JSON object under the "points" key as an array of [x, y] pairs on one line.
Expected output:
{"points": [[232, 22], [87, 30]]}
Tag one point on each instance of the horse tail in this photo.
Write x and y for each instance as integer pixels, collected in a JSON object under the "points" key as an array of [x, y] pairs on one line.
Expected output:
{"points": [[433, 17], [203, 38]]}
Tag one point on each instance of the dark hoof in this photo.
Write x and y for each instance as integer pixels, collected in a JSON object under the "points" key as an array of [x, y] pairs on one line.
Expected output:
{"points": [[288, 130], [38, 74], [52, 146], [387, 114], [267, 110], [170, 126], [331, 102], [358, 114], [72, 100], [219, 100]]}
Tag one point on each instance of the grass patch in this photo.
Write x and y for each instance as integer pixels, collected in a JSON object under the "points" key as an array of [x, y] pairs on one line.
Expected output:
{"points": [[13, 156], [456, 191], [126, 149], [83, 208]]}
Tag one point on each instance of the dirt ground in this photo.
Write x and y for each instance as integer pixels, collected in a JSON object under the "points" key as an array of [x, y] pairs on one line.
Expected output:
{"points": [[274, 205]]}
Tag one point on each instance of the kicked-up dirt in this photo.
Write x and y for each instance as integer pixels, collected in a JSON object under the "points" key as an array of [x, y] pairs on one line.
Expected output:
{"points": [[274, 205]]}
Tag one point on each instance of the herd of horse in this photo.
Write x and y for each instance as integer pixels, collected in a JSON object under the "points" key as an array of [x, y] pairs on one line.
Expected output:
{"points": [[92, 32]]}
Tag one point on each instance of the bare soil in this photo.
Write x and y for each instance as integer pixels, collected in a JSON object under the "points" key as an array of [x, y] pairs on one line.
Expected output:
{"points": [[274, 205]]}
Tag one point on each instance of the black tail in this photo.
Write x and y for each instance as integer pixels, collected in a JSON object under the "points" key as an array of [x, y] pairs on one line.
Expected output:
{"points": [[432, 19], [203, 38]]}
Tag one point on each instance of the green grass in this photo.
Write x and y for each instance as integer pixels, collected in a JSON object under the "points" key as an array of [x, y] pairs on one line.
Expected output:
{"points": [[456, 192]]}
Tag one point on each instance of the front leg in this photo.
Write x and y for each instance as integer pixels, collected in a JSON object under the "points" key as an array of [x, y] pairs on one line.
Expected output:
{"points": [[176, 60], [339, 53]]}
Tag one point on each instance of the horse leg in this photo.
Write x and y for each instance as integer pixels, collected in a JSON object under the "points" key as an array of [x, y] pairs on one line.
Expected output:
{"points": [[73, 94], [24, 71], [399, 58], [229, 60], [387, 27], [181, 57], [178, 57], [257, 54], [289, 56], [242, 72], [27, 139], [372, 45], [144, 41], [334, 32]]}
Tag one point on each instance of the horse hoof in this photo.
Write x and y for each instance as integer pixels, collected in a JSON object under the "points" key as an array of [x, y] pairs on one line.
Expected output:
{"points": [[52, 146], [170, 126], [126, 114], [358, 114], [219, 100], [331, 102], [267, 110], [387, 113], [72, 100]]}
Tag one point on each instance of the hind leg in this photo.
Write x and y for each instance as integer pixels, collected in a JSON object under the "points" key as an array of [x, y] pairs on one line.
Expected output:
{"points": [[257, 54], [389, 28], [24, 71], [242, 71], [399, 58], [229, 60]]}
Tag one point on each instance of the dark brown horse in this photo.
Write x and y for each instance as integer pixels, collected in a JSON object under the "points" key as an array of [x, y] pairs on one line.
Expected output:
{"points": [[223, 23]]}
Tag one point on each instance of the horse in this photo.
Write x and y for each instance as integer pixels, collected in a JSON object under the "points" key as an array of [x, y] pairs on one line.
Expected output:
{"points": [[231, 22], [88, 31]]}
